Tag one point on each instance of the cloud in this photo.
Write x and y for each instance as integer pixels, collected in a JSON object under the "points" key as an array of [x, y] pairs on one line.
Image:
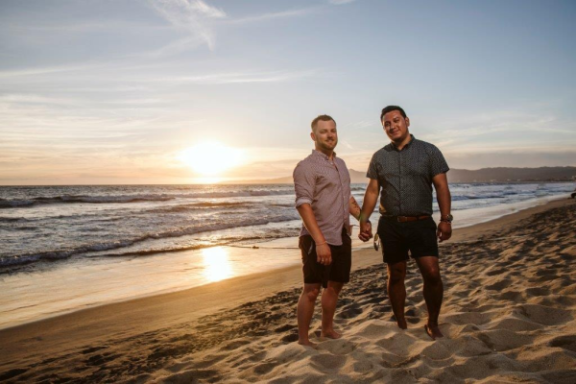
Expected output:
{"points": [[340, 2], [347, 144], [45, 71], [175, 47], [276, 15], [193, 16], [241, 78]]}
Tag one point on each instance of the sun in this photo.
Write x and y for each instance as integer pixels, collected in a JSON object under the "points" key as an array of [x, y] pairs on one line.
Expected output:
{"points": [[211, 158]]}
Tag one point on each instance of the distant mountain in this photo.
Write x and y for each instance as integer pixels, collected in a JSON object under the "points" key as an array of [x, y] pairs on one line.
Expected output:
{"points": [[484, 175], [498, 175]]}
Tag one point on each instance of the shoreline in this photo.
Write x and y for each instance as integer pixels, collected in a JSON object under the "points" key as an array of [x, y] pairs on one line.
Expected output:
{"points": [[39, 340], [91, 283]]}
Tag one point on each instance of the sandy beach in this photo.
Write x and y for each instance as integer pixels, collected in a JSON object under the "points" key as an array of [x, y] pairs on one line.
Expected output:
{"points": [[509, 316]]}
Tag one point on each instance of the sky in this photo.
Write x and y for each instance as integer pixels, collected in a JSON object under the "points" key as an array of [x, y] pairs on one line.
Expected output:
{"points": [[123, 91]]}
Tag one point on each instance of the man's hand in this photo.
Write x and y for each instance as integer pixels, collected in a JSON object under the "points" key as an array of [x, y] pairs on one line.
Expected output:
{"points": [[444, 231], [365, 231], [323, 254]]}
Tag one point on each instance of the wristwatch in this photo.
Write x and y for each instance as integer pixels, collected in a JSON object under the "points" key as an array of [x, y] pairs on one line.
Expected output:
{"points": [[447, 218]]}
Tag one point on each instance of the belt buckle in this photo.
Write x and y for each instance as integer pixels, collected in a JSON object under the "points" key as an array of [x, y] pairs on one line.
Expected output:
{"points": [[401, 219]]}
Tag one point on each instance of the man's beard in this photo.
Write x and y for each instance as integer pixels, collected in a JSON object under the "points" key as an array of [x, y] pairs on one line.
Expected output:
{"points": [[328, 145]]}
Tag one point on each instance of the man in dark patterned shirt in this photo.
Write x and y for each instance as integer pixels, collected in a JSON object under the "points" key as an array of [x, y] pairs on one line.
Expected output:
{"points": [[405, 171], [325, 203]]}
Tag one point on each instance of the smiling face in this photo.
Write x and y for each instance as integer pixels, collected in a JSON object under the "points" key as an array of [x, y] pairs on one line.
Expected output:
{"points": [[396, 126], [325, 135]]}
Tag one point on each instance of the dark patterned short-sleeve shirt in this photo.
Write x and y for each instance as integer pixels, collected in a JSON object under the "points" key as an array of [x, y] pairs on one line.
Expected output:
{"points": [[405, 177], [325, 185]]}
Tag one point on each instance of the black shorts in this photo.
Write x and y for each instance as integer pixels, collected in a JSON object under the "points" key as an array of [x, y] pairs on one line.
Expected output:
{"points": [[316, 273], [397, 239]]}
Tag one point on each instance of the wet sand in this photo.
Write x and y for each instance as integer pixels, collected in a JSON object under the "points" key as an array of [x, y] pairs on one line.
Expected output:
{"points": [[509, 316]]}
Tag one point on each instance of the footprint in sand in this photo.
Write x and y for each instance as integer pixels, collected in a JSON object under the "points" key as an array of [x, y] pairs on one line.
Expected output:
{"points": [[339, 347], [350, 311], [544, 315], [503, 339], [566, 342], [328, 362], [234, 345], [193, 376]]}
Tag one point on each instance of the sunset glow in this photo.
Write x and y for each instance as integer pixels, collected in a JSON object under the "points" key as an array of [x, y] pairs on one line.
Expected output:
{"points": [[211, 158], [217, 266]]}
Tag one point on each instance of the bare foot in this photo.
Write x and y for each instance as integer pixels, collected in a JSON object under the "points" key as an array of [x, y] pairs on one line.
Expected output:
{"points": [[402, 324], [433, 331], [331, 334], [307, 343]]}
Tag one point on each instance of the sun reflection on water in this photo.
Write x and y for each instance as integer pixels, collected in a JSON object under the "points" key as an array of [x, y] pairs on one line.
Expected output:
{"points": [[217, 266]]}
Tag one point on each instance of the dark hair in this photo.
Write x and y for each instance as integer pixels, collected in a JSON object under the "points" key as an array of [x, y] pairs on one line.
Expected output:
{"points": [[391, 108], [323, 118]]}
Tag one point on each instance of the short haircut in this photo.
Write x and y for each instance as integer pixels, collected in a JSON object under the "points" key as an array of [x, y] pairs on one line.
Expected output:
{"points": [[321, 118], [391, 108]]}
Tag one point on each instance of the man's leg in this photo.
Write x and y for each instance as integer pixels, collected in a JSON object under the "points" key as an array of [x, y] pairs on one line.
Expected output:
{"points": [[433, 292], [305, 311], [397, 291], [329, 300]]}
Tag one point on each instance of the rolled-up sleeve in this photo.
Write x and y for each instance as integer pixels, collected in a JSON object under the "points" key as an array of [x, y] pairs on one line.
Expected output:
{"points": [[303, 184]]}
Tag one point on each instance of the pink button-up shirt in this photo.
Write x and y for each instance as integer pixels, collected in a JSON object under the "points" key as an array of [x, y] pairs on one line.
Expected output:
{"points": [[325, 185]]}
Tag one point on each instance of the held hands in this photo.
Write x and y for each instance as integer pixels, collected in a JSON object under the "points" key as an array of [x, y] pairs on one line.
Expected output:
{"points": [[444, 231], [365, 231], [323, 254]]}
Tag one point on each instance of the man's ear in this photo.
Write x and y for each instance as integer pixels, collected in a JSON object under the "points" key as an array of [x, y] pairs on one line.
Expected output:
{"points": [[313, 136], [407, 121]]}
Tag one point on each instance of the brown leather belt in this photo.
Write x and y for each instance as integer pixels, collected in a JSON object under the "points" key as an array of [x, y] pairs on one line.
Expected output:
{"points": [[404, 219]]}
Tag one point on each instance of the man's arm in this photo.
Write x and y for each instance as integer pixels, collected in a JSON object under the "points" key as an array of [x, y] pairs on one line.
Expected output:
{"points": [[370, 199], [323, 253], [444, 202], [304, 182], [354, 208]]}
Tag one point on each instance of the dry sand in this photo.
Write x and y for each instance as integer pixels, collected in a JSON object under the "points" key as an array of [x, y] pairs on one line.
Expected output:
{"points": [[509, 316]]}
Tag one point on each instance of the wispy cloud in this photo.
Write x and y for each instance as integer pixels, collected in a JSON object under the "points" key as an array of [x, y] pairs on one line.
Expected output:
{"points": [[193, 16], [340, 2], [175, 47], [45, 70], [50, 26], [241, 78], [275, 15]]}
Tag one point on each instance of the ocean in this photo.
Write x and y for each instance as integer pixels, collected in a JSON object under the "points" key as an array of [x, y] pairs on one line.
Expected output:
{"points": [[62, 222], [68, 247]]}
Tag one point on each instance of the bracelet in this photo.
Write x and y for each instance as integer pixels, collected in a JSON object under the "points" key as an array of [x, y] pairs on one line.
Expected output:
{"points": [[360, 219], [324, 243]]}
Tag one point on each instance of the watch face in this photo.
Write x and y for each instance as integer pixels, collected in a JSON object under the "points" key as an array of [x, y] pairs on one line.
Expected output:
{"points": [[448, 218]]}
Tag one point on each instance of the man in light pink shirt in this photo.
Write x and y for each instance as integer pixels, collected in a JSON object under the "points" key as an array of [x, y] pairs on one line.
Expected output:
{"points": [[325, 203]]}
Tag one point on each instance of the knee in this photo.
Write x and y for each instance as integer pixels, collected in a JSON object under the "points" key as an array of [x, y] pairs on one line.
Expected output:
{"points": [[432, 277], [397, 278], [311, 295], [334, 288]]}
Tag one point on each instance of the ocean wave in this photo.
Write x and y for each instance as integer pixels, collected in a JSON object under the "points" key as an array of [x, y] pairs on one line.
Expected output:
{"points": [[16, 260], [481, 196], [71, 199], [13, 220], [4, 203], [202, 205], [221, 242]]}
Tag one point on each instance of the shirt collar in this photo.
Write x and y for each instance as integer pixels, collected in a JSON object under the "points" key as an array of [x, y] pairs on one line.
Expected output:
{"points": [[412, 138], [323, 155]]}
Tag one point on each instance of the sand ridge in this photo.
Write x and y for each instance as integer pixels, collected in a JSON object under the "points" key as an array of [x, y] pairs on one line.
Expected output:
{"points": [[509, 315]]}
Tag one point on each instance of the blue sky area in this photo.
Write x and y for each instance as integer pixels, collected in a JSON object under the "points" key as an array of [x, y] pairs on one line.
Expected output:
{"points": [[112, 91]]}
